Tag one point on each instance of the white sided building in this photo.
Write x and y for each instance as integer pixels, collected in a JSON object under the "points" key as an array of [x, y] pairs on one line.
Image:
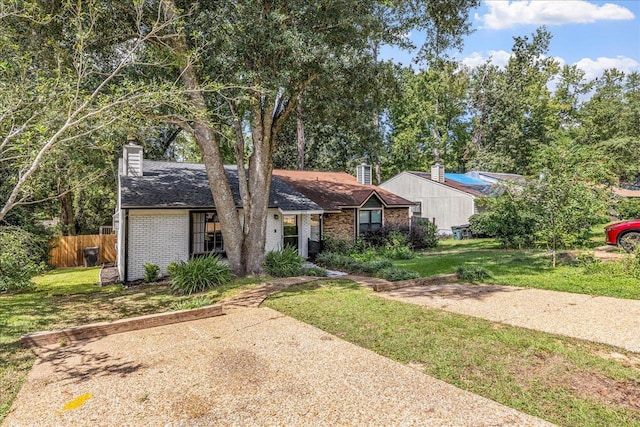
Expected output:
{"points": [[446, 199]]}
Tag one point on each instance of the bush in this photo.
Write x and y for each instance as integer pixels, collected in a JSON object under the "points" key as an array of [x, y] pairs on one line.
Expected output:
{"points": [[198, 274], [394, 274], [421, 235], [337, 246], [151, 272], [472, 274], [22, 255], [352, 265], [284, 263], [628, 208]]}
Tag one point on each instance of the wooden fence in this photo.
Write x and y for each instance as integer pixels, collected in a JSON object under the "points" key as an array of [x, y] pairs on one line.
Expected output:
{"points": [[67, 250]]}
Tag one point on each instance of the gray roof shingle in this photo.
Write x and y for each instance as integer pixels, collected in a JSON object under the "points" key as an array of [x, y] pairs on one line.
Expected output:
{"points": [[185, 185]]}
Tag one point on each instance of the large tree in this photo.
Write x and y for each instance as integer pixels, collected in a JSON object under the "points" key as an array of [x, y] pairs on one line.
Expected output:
{"points": [[270, 53], [512, 113]]}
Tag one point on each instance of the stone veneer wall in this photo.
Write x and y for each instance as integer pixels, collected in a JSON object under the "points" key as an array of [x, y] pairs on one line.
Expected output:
{"points": [[339, 225], [399, 216]]}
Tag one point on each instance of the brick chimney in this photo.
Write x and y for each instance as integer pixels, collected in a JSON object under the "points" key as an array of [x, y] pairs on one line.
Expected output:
{"points": [[132, 160]]}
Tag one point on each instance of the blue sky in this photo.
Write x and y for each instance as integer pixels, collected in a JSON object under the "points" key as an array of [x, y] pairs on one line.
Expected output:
{"points": [[595, 35]]}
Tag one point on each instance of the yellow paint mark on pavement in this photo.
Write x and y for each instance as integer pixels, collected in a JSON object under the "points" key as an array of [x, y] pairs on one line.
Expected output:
{"points": [[77, 402]]}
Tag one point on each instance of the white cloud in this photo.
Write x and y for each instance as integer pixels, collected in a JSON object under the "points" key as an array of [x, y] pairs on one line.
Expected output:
{"points": [[595, 68], [507, 14], [498, 57], [592, 68]]}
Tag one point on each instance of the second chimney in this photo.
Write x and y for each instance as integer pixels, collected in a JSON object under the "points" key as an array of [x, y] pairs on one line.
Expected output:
{"points": [[363, 174], [437, 172]]}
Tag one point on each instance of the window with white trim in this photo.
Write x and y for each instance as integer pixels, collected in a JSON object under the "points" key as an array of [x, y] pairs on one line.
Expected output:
{"points": [[206, 233]]}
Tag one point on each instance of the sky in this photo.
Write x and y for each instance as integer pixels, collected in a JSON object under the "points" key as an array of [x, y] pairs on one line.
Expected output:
{"points": [[594, 35]]}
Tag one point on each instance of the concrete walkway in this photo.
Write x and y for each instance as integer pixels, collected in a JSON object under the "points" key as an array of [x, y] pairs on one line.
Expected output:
{"points": [[604, 320]]}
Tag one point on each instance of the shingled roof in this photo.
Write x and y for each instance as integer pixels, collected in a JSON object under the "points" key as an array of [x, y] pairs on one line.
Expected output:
{"points": [[185, 185], [336, 190]]}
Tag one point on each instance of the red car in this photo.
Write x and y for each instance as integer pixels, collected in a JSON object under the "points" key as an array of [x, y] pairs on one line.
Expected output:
{"points": [[625, 234]]}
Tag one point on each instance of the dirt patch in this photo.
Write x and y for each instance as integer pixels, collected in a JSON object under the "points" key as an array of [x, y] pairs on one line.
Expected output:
{"points": [[625, 394], [555, 371]]}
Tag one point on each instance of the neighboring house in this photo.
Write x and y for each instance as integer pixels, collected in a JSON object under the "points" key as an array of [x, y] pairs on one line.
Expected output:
{"points": [[351, 204], [446, 199], [165, 211]]}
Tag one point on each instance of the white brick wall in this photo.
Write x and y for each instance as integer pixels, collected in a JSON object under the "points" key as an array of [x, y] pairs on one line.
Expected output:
{"points": [[158, 237]]}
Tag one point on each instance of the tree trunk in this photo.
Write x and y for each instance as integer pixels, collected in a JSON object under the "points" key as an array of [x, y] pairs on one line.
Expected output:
{"points": [[66, 214], [301, 141]]}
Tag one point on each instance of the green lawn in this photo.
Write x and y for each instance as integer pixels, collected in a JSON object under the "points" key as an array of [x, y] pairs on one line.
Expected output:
{"points": [[532, 269], [71, 297], [565, 381]]}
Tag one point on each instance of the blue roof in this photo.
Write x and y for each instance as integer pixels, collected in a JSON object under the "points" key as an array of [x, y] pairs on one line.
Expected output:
{"points": [[464, 179]]}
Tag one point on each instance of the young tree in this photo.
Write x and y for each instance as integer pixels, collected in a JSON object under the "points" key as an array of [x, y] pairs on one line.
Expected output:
{"points": [[568, 197]]}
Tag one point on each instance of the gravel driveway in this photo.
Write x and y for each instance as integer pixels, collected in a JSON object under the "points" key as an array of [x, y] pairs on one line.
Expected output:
{"points": [[250, 367]]}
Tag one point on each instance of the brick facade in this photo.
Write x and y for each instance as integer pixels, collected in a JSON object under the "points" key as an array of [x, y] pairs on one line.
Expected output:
{"points": [[398, 216], [339, 225]]}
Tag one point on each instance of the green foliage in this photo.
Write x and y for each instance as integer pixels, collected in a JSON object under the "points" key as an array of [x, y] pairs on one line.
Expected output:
{"points": [[590, 263], [420, 235], [151, 272], [429, 113], [566, 199], [628, 208], [347, 263], [22, 255], [507, 218], [313, 271], [394, 274], [472, 273], [283, 263], [198, 274], [192, 303]]}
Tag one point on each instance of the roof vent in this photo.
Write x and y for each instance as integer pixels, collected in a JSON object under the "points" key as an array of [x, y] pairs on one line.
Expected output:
{"points": [[363, 173], [437, 173], [132, 156]]}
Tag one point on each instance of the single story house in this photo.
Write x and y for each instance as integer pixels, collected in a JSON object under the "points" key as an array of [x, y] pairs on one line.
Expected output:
{"points": [[447, 199], [165, 211], [351, 205]]}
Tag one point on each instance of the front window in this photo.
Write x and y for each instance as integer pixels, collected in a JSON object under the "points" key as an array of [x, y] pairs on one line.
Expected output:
{"points": [[370, 220], [206, 233], [290, 225]]}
